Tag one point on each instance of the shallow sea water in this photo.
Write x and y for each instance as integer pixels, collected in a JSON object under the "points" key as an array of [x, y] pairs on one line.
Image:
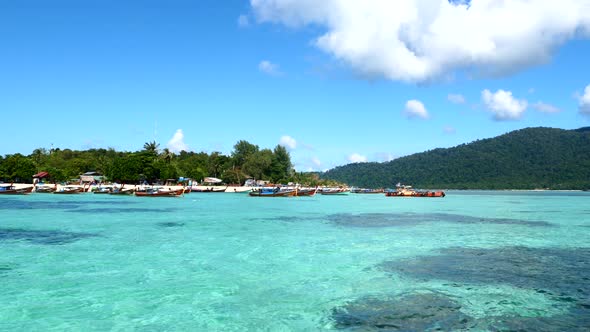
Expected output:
{"points": [[474, 260]]}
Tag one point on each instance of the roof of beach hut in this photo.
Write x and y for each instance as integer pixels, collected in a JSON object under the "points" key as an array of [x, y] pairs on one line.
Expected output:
{"points": [[41, 175]]}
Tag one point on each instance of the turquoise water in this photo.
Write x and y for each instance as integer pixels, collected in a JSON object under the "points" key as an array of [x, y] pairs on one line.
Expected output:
{"points": [[228, 262]]}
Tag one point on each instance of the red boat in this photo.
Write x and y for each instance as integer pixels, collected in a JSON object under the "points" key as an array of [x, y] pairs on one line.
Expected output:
{"points": [[12, 190], [417, 194], [306, 192], [160, 192]]}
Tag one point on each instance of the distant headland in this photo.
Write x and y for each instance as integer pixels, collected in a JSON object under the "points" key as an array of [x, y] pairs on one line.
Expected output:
{"points": [[530, 158]]}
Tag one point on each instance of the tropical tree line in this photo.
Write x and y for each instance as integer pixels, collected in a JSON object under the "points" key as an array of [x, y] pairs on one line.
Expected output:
{"points": [[153, 164]]}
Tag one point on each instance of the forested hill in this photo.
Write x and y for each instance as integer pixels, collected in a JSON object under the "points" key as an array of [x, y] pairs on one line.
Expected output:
{"points": [[524, 159]]}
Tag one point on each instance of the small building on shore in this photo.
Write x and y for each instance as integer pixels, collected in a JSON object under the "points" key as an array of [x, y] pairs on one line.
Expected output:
{"points": [[39, 177], [91, 177]]}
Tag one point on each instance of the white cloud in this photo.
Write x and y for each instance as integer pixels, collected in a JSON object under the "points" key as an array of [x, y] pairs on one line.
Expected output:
{"points": [[456, 98], [584, 102], [357, 158], [503, 105], [176, 143], [269, 68], [243, 21], [288, 142], [421, 40], [545, 108], [415, 109]]}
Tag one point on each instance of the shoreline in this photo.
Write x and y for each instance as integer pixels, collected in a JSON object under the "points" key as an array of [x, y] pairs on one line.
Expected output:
{"points": [[59, 186]]}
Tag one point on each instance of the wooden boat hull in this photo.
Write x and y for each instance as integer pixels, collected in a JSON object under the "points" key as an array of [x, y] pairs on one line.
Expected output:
{"points": [[122, 192], [160, 193], [14, 191], [262, 193], [239, 189], [416, 194], [68, 192], [334, 192], [306, 192], [368, 191], [45, 189], [208, 189]]}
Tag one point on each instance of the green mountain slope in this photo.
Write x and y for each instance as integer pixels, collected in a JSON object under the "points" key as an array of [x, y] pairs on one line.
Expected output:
{"points": [[523, 159]]}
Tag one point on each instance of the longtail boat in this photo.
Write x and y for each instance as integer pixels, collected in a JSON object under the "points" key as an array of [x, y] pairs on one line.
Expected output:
{"points": [[159, 192], [12, 190], [334, 191], [367, 191], [122, 191], [45, 189], [269, 192], [69, 190], [407, 191], [416, 194], [103, 190], [306, 191], [203, 189]]}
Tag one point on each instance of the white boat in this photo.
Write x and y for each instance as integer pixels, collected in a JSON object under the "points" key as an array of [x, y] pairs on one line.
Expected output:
{"points": [[334, 191], [239, 189], [209, 185]]}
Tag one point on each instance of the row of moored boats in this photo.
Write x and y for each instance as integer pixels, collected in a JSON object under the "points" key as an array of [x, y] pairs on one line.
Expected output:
{"points": [[170, 191]]}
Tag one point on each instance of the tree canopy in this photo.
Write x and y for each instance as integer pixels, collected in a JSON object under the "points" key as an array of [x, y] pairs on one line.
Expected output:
{"points": [[151, 164]]}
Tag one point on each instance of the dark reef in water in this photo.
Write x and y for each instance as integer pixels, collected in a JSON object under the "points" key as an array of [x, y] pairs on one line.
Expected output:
{"points": [[46, 237], [438, 312], [574, 321], [170, 224], [413, 312], [563, 273], [411, 219]]}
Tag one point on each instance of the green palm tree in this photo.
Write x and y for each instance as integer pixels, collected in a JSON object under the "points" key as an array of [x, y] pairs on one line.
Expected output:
{"points": [[151, 147], [167, 155]]}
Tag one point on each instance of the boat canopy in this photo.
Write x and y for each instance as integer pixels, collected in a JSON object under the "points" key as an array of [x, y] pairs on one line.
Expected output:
{"points": [[212, 180], [41, 175]]}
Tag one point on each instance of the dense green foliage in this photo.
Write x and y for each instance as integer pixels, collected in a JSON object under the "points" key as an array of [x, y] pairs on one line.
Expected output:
{"points": [[524, 159], [152, 164]]}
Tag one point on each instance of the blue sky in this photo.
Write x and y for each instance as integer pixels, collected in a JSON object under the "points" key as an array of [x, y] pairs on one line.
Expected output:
{"points": [[329, 84]]}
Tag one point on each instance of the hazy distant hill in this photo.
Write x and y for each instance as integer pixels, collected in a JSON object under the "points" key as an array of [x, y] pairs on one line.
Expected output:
{"points": [[523, 159]]}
